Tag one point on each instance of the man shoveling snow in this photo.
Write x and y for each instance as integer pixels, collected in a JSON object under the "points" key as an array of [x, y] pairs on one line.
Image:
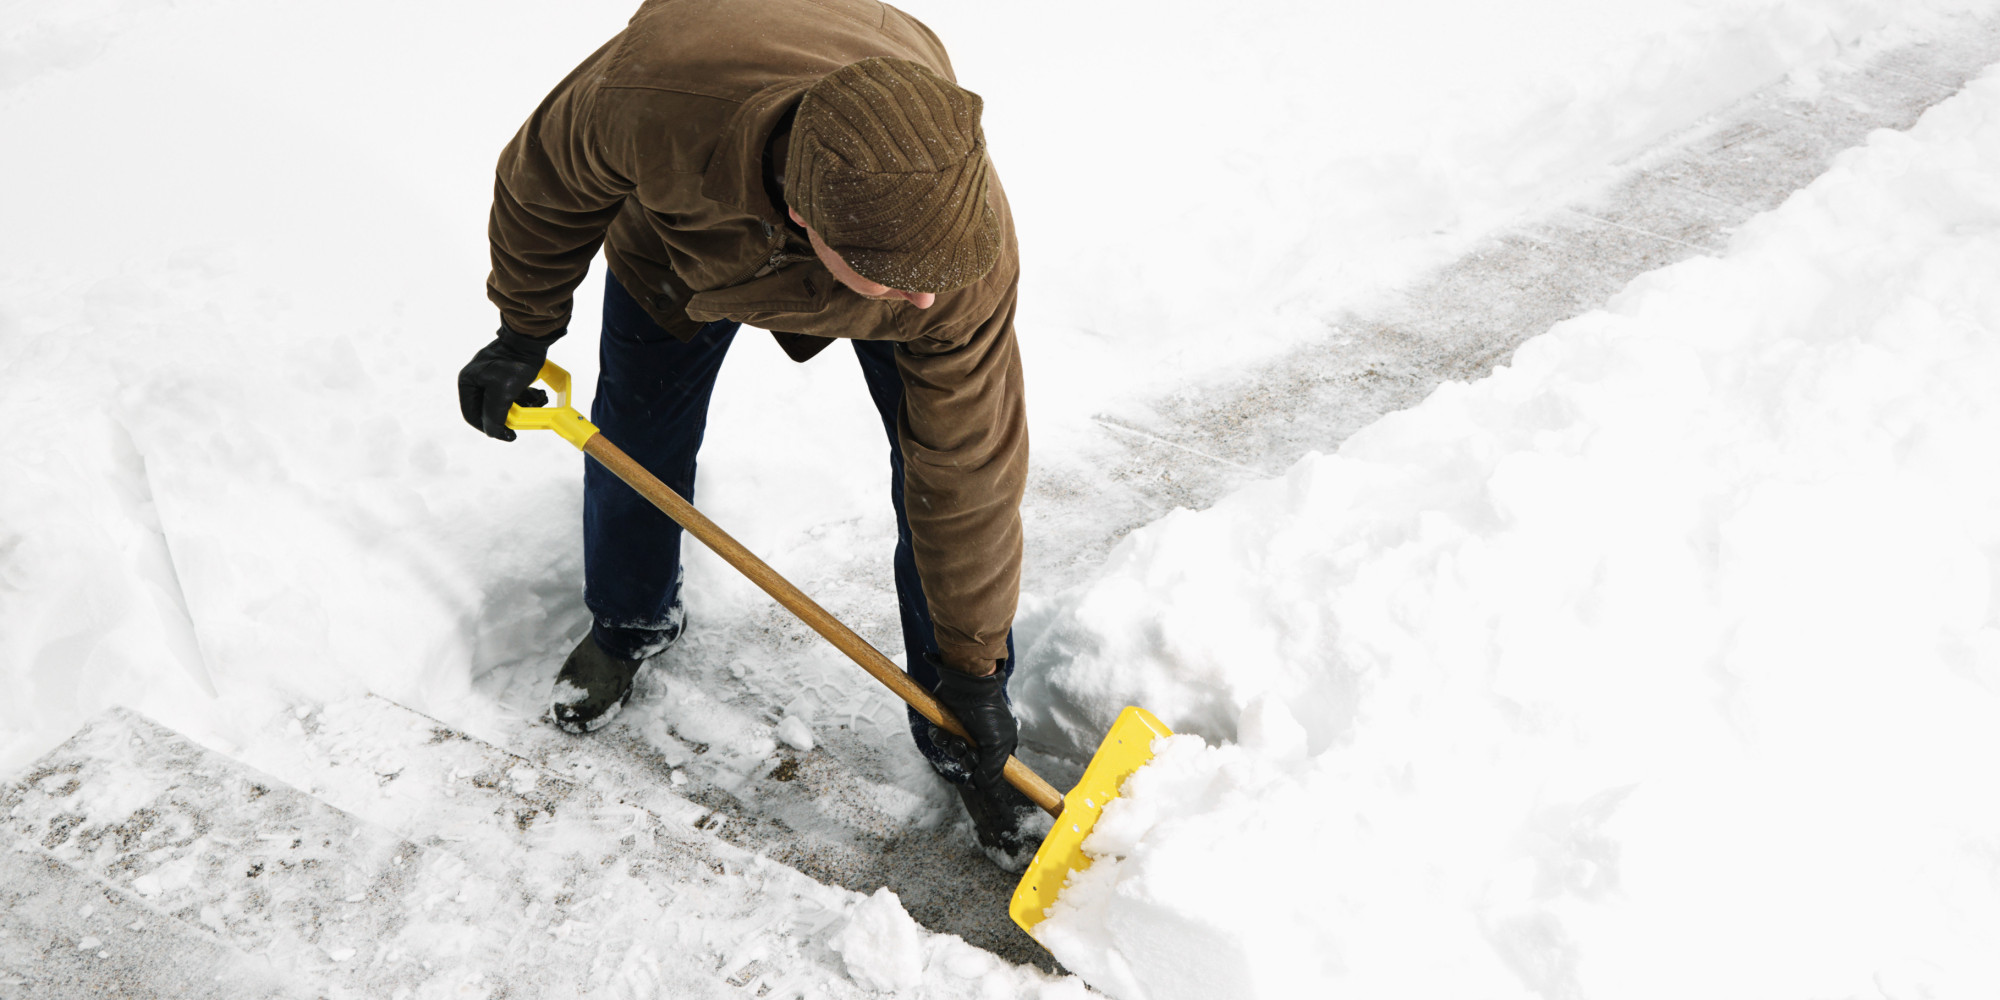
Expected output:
{"points": [[820, 176]]}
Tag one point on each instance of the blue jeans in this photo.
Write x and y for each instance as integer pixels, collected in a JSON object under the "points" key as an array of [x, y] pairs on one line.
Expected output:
{"points": [[652, 402]]}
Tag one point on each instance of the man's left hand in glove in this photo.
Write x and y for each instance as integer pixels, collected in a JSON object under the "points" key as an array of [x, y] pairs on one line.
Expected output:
{"points": [[501, 374]]}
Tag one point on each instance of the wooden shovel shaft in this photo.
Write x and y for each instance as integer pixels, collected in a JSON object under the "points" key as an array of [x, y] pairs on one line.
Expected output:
{"points": [[871, 659]]}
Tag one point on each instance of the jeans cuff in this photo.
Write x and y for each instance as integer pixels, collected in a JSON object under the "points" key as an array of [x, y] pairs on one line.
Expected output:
{"points": [[639, 641]]}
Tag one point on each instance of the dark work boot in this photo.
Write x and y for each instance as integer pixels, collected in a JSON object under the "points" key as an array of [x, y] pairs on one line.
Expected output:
{"points": [[591, 688], [1010, 827]]}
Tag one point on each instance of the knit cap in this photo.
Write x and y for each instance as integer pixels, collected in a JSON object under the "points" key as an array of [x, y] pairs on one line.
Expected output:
{"points": [[888, 165]]}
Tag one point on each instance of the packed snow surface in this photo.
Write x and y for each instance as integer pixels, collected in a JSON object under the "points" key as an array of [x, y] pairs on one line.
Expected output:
{"points": [[1663, 662]]}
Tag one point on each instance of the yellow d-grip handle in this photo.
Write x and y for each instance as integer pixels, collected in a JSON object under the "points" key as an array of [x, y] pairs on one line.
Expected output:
{"points": [[560, 418]]}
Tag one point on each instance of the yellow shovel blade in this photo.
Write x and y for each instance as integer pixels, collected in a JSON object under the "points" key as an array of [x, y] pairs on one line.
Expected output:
{"points": [[1127, 747]]}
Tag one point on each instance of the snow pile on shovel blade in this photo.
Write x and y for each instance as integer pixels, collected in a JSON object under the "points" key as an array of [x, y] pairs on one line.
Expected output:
{"points": [[1665, 662]]}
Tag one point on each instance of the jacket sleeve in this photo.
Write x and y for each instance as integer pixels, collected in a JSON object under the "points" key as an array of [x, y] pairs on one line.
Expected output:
{"points": [[553, 197], [964, 434]]}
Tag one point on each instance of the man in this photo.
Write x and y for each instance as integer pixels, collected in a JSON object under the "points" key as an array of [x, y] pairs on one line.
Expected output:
{"points": [[809, 167]]}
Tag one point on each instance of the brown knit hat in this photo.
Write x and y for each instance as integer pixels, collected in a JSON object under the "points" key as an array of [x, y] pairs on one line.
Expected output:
{"points": [[888, 166]]}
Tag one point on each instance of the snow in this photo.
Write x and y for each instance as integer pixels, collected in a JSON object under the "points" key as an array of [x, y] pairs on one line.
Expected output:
{"points": [[565, 693], [648, 895], [1678, 636], [795, 733], [886, 951], [245, 258], [883, 947]]}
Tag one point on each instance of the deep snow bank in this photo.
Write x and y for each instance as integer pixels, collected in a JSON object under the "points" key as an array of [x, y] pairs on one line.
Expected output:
{"points": [[1662, 663], [245, 256]]}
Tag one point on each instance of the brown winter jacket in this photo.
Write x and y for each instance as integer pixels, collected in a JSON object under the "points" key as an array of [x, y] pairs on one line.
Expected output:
{"points": [[654, 147]]}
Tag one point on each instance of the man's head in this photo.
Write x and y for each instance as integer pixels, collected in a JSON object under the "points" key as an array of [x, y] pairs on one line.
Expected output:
{"points": [[887, 170]]}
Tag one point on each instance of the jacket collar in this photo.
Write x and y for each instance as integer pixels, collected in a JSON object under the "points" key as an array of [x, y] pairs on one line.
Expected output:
{"points": [[735, 174]]}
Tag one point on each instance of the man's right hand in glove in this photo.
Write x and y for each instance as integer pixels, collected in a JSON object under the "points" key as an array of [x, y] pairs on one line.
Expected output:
{"points": [[500, 375], [980, 704]]}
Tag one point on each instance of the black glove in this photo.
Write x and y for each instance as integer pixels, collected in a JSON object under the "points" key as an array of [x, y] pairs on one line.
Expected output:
{"points": [[500, 375], [980, 704]]}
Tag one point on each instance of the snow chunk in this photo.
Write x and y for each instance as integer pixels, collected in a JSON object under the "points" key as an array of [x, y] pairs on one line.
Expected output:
{"points": [[795, 733], [883, 948], [565, 693]]}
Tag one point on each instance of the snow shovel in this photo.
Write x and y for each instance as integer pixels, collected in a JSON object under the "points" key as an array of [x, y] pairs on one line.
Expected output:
{"points": [[1128, 746]]}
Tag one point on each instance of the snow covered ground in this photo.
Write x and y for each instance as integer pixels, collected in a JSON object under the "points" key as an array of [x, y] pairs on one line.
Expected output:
{"points": [[246, 254], [1663, 662]]}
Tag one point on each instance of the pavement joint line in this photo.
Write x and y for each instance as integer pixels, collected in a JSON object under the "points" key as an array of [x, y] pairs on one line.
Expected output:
{"points": [[1728, 203], [1718, 199], [1636, 229], [1107, 422]]}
